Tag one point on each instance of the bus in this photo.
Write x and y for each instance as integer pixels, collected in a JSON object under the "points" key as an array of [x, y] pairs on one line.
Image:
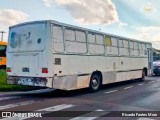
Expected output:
{"points": [[61, 56], [3, 46]]}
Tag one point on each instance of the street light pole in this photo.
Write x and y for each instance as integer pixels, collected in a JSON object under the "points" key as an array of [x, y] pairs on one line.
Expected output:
{"points": [[2, 32]]}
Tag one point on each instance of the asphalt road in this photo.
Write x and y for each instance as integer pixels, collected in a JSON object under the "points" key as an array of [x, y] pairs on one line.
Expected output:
{"points": [[135, 100]]}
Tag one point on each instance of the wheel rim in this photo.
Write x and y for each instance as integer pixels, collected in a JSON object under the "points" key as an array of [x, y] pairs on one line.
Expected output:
{"points": [[94, 83]]}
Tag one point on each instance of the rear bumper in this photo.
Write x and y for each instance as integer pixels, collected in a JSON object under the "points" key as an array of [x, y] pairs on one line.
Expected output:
{"points": [[30, 81], [70, 82]]}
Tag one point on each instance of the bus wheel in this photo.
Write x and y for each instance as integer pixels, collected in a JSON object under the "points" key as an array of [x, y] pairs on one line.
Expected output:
{"points": [[95, 83]]}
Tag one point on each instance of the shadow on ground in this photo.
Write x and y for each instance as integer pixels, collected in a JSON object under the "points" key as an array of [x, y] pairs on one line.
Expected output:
{"points": [[50, 93]]}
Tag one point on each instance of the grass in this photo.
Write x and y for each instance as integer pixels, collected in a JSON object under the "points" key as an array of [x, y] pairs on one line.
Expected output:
{"points": [[6, 87]]}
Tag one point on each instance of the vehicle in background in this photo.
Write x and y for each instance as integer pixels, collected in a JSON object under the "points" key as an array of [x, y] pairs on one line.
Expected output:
{"points": [[156, 58], [61, 56], [156, 67], [3, 46]]}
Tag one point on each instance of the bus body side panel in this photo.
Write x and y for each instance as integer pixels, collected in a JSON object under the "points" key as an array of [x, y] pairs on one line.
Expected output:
{"points": [[74, 70], [71, 73]]}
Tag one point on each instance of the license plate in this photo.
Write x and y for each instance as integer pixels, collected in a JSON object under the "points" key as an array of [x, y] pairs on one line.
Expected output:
{"points": [[25, 69], [25, 81]]}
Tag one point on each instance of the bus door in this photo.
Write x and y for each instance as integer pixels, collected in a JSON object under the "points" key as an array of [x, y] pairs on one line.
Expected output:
{"points": [[150, 61]]}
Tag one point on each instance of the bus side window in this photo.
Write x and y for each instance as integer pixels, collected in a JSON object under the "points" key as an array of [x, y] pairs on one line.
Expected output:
{"points": [[70, 39], [58, 42], [96, 43], [111, 45], [114, 42], [124, 47], [3, 50], [144, 49], [125, 42], [141, 49], [120, 43], [75, 41], [99, 44], [91, 38], [81, 41], [136, 48], [108, 41]]}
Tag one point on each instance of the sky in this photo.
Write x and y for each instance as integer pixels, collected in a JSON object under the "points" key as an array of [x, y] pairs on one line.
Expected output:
{"points": [[136, 19]]}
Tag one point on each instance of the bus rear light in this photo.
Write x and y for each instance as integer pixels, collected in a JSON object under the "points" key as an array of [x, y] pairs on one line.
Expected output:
{"points": [[9, 69], [44, 70]]}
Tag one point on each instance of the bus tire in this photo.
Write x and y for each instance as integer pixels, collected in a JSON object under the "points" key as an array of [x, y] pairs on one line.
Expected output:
{"points": [[143, 76], [95, 82]]}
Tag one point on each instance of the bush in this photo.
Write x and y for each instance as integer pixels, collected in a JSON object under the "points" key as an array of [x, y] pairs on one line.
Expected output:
{"points": [[2, 77], [6, 87]]}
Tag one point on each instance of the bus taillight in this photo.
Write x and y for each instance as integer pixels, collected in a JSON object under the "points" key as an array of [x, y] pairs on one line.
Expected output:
{"points": [[9, 69], [44, 70]]}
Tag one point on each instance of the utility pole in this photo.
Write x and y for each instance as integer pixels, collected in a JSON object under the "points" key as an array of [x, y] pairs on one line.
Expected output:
{"points": [[2, 32]]}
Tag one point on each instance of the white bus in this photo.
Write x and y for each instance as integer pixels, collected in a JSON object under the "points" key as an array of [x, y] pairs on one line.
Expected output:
{"points": [[61, 56]]}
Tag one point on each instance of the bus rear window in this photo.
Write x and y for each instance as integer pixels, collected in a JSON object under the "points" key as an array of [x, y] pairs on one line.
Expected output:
{"points": [[28, 37]]}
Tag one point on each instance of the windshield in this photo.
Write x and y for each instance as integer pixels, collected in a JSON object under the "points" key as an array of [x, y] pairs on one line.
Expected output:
{"points": [[3, 50]]}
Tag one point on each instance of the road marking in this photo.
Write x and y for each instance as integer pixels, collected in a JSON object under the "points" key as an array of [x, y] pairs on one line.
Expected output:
{"points": [[145, 119], [128, 87], [141, 84], [7, 98], [57, 107], [151, 82], [15, 105], [111, 91], [46, 110], [87, 116], [99, 110], [84, 118]]}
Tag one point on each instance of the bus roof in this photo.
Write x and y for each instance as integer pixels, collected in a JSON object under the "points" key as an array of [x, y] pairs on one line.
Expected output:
{"points": [[3, 43], [73, 26]]}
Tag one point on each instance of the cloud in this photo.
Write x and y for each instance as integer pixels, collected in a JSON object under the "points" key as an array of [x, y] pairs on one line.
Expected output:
{"points": [[150, 34], [10, 17], [88, 11], [48, 3], [122, 24]]}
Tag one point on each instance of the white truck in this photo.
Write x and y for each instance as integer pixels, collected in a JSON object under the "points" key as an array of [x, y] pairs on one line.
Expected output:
{"points": [[57, 55]]}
